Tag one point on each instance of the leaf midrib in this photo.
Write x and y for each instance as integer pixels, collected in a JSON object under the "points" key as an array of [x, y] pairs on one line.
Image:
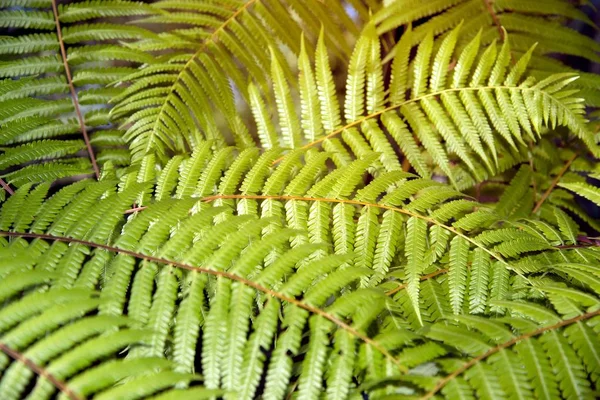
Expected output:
{"points": [[417, 99], [212, 38]]}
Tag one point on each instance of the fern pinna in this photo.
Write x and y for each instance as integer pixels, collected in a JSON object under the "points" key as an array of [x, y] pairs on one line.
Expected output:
{"points": [[281, 199]]}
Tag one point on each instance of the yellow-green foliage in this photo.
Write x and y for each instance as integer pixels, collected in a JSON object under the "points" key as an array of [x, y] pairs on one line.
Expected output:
{"points": [[277, 199]]}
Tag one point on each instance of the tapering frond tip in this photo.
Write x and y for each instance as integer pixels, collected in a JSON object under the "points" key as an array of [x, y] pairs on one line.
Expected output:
{"points": [[288, 119], [370, 30]]}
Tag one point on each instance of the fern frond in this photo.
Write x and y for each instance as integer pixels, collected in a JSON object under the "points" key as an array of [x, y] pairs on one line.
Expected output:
{"points": [[221, 247], [288, 120], [92, 9], [498, 98], [457, 273], [412, 198], [583, 189], [339, 257], [443, 117], [57, 352], [206, 74], [527, 23], [49, 81]]}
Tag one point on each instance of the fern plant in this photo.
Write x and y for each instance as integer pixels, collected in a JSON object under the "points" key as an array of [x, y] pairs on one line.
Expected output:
{"points": [[298, 199]]}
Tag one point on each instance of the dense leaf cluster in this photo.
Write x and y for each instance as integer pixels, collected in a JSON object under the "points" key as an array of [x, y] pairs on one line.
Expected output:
{"points": [[297, 199]]}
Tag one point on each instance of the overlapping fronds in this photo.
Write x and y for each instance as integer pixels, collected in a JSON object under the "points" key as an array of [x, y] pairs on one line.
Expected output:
{"points": [[54, 342], [558, 175], [537, 352], [528, 22], [539, 22], [544, 347], [54, 69], [235, 285], [426, 230], [215, 49], [264, 270], [466, 120]]}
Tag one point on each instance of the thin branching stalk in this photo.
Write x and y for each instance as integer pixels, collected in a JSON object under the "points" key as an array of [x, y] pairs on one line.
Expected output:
{"points": [[564, 169], [315, 310], [6, 187], [74, 97], [365, 204], [489, 5], [396, 106], [505, 345], [42, 372]]}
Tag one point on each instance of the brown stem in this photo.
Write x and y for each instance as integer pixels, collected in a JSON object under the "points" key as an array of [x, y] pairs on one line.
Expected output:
{"points": [[6, 187], [135, 209], [74, 96], [490, 8], [366, 204], [376, 114], [223, 274], [478, 191], [505, 345], [554, 183], [60, 385], [423, 278]]}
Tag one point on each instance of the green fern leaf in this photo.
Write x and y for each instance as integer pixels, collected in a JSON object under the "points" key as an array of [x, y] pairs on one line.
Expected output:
{"points": [[457, 273], [330, 109], [416, 230], [583, 189], [288, 120]]}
